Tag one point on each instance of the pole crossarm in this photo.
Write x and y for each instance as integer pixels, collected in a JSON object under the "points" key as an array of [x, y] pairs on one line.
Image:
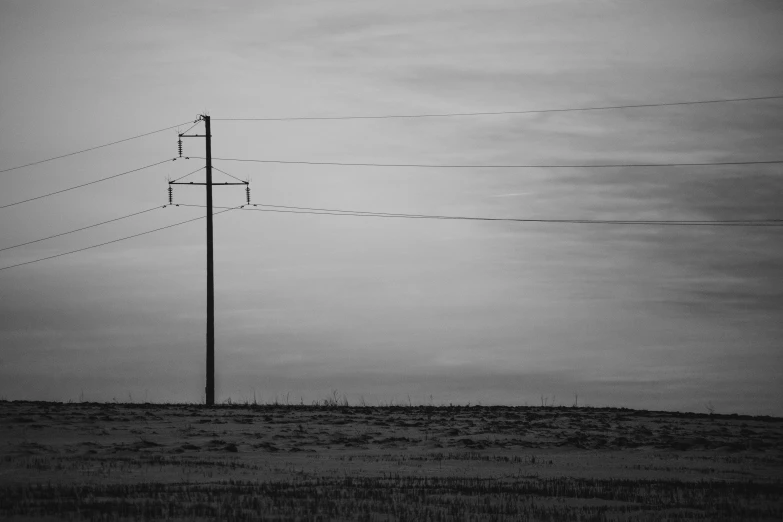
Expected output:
{"points": [[194, 136], [211, 184]]}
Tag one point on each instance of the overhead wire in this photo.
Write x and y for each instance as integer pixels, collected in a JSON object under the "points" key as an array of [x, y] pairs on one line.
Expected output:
{"points": [[86, 184], [361, 213], [337, 212], [388, 116], [326, 211], [93, 148], [188, 174], [495, 113], [514, 166], [115, 240], [188, 130], [83, 228], [227, 174]]}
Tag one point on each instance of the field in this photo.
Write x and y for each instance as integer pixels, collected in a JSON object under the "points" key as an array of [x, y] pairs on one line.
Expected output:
{"points": [[88, 461]]}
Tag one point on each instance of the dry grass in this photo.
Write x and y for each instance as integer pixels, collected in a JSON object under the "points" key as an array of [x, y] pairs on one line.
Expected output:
{"points": [[335, 462]]}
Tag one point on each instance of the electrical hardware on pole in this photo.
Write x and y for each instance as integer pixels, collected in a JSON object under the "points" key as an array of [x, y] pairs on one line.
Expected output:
{"points": [[210, 363]]}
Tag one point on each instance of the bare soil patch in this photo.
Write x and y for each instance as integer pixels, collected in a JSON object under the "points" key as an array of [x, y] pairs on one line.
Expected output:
{"points": [[92, 461]]}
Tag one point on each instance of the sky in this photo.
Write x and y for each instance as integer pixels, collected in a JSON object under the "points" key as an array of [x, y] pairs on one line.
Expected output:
{"points": [[387, 310]]}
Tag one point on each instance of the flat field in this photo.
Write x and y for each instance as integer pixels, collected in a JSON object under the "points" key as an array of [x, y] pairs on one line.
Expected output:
{"points": [[88, 461]]}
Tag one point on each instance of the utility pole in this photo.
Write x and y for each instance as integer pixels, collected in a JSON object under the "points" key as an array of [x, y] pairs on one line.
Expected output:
{"points": [[210, 391], [210, 387]]}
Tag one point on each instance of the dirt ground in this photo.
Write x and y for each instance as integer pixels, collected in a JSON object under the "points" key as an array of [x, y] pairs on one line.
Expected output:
{"points": [[87, 461]]}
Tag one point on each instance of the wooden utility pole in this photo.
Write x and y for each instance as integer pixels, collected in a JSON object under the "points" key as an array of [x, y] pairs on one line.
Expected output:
{"points": [[210, 387], [210, 390]]}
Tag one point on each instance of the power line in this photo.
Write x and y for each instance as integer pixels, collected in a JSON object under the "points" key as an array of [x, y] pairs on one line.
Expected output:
{"points": [[85, 184], [523, 166], [677, 221], [189, 128], [336, 212], [80, 229], [534, 111], [93, 148], [116, 240], [519, 220], [188, 174], [361, 213], [227, 174]]}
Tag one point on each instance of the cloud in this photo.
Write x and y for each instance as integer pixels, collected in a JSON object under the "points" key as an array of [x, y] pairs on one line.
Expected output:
{"points": [[465, 311]]}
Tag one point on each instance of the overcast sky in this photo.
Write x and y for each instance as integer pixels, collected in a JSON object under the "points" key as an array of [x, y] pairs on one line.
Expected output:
{"points": [[390, 309]]}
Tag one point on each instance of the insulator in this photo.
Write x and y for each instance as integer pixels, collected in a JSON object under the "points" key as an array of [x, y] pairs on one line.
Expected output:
{"points": [[179, 143], [171, 195], [247, 191]]}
